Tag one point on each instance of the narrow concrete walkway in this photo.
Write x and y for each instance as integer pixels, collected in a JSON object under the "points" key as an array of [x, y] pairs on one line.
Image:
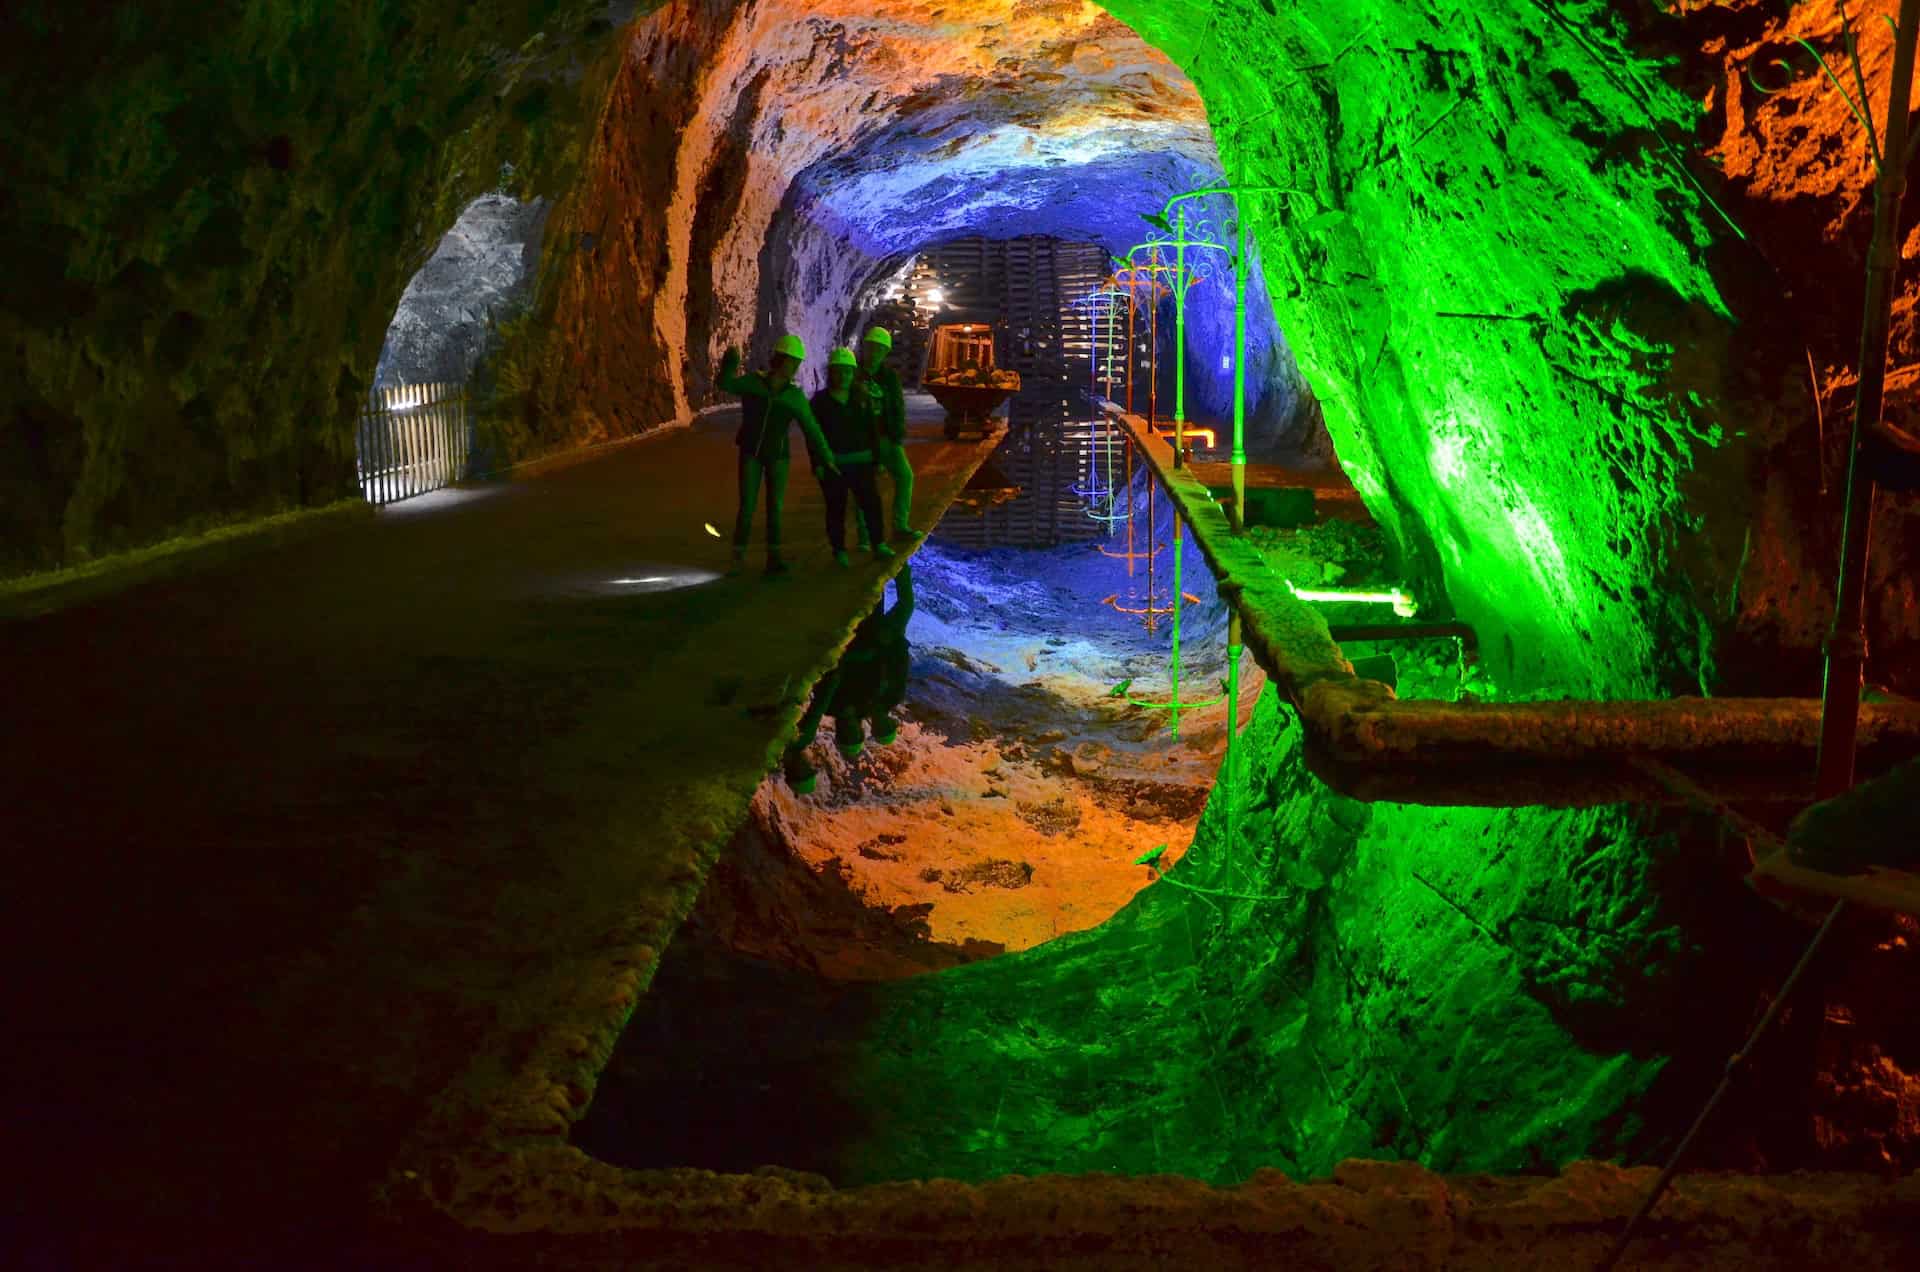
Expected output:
{"points": [[306, 846]]}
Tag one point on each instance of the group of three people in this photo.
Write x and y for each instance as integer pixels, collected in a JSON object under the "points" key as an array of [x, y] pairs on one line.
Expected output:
{"points": [[854, 426]]}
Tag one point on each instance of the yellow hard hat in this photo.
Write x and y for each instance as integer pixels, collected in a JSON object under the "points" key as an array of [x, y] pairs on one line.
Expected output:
{"points": [[842, 357], [880, 336], [790, 345]]}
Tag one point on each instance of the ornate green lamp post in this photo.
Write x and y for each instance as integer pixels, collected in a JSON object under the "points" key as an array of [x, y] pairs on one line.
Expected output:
{"points": [[1172, 219]]}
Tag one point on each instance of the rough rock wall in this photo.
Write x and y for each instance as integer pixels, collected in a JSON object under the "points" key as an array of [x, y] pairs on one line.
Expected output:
{"points": [[771, 158], [1511, 273], [208, 216], [482, 272]]}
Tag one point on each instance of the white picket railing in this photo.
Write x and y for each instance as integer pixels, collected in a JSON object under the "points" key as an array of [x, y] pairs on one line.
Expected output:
{"points": [[413, 439]]}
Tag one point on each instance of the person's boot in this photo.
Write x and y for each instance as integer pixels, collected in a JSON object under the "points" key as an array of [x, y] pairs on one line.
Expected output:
{"points": [[881, 552], [776, 565], [739, 565], [840, 558], [907, 534]]}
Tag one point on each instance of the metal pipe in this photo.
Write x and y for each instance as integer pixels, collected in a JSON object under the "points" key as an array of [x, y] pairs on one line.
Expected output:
{"points": [[1847, 640], [1240, 372], [1153, 343], [1178, 605], [1180, 343], [1233, 723]]}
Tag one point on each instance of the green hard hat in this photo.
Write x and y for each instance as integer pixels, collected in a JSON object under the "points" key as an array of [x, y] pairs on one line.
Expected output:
{"points": [[880, 336], [842, 357], [791, 345]]}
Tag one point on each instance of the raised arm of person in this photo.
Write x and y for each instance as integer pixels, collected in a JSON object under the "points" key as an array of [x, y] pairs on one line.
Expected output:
{"points": [[732, 381]]}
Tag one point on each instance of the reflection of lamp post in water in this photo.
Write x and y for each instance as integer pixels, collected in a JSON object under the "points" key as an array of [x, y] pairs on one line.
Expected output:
{"points": [[1181, 599], [1133, 278], [1100, 303]]}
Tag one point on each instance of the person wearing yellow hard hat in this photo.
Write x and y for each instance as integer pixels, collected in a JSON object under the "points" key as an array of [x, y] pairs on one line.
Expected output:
{"points": [[879, 386], [852, 433], [769, 402]]}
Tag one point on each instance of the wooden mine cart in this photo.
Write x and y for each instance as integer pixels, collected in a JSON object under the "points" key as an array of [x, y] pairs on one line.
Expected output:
{"points": [[961, 376]]}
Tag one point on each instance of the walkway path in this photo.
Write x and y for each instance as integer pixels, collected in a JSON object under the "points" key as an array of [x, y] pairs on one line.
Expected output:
{"points": [[305, 847]]}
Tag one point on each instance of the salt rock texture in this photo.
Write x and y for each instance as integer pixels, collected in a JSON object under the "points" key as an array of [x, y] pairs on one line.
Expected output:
{"points": [[768, 163], [482, 272]]}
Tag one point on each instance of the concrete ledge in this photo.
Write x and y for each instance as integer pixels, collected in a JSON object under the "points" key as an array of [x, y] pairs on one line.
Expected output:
{"points": [[559, 1208]]}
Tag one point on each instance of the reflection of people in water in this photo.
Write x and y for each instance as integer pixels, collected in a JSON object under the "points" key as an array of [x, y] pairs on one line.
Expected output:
{"points": [[863, 690]]}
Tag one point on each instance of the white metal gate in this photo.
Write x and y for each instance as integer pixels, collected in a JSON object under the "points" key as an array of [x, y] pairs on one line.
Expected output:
{"points": [[413, 439]]}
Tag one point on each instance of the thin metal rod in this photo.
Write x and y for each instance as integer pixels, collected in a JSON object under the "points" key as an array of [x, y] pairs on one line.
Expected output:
{"points": [[1846, 641], [1240, 373], [1233, 725], [1735, 1064], [1178, 596], [1180, 342], [1153, 341]]}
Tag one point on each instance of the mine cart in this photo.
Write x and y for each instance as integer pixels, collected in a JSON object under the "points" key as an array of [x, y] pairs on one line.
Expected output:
{"points": [[960, 375]]}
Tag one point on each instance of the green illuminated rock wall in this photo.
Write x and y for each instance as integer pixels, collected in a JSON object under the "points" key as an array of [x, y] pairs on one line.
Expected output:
{"points": [[1475, 989], [1497, 279]]}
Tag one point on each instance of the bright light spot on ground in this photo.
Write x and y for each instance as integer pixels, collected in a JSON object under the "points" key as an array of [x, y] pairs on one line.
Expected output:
{"points": [[711, 530], [661, 577], [664, 578], [439, 500]]}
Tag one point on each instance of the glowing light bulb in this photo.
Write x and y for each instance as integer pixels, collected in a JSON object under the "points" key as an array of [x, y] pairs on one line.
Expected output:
{"points": [[936, 297], [1226, 362], [1403, 603]]}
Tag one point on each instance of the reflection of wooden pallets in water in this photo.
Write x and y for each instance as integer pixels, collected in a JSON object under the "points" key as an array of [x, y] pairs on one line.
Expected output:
{"points": [[969, 406]]}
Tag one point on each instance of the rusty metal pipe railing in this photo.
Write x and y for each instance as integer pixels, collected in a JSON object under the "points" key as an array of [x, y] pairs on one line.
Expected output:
{"points": [[1368, 744]]}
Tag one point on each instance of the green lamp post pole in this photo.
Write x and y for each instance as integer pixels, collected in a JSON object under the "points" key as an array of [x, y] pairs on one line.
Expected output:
{"points": [[1180, 343], [1240, 374], [1160, 220]]}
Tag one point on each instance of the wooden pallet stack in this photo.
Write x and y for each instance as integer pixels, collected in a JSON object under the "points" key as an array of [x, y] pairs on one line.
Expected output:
{"points": [[1027, 288]]}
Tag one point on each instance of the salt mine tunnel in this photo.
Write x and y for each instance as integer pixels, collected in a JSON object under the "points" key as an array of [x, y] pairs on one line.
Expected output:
{"points": [[1397, 657]]}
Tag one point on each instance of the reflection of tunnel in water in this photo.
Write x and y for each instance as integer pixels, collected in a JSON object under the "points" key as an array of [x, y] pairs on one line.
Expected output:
{"points": [[1005, 816], [1050, 452]]}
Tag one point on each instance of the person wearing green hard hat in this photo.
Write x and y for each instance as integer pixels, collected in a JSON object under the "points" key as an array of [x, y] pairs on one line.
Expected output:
{"points": [[852, 434], [769, 402], [878, 385]]}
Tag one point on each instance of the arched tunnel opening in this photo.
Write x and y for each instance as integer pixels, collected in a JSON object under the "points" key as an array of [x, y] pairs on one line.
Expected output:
{"points": [[1320, 755]]}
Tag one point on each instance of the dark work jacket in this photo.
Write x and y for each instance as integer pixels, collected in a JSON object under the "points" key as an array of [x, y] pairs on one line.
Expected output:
{"points": [[887, 401], [765, 416], [851, 429]]}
